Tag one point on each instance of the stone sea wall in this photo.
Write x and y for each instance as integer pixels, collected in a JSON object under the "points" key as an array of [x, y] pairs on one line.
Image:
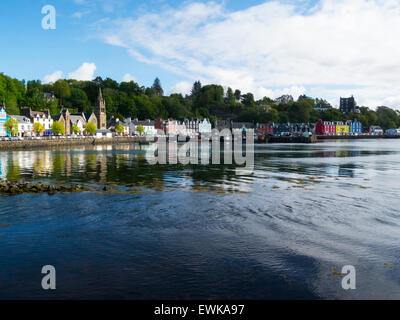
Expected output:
{"points": [[32, 144]]}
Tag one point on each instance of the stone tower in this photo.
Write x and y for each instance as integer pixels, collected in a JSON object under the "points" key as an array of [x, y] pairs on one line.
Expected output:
{"points": [[100, 112]]}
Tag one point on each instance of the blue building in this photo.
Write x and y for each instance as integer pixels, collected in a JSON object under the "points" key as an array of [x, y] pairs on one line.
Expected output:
{"points": [[355, 127], [3, 118]]}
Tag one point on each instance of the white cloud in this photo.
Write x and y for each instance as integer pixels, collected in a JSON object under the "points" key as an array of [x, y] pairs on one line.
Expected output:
{"points": [[80, 14], [182, 87], [84, 72], [51, 78], [274, 47], [128, 77]]}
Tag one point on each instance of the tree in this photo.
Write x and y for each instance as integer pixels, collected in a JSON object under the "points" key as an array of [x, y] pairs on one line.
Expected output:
{"points": [[119, 128], [62, 90], [196, 89], [78, 99], [58, 128], [11, 126], [285, 99], [75, 129], [38, 128], [230, 98], [237, 94], [90, 128], [140, 129], [157, 89], [248, 100]]}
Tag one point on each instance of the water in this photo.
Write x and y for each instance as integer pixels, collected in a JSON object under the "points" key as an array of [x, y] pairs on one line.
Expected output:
{"points": [[187, 232]]}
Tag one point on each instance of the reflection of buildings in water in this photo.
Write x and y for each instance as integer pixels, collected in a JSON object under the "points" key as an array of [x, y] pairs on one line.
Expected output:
{"points": [[25, 159], [342, 153], [3, 165], [80, 160], [120, 159], [124, 147], [325, 154], [41, 162], [102, 165], [204, 152], [172, 152], [68, 164]]}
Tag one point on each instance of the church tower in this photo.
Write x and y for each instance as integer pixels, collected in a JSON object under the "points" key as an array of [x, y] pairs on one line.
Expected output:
{"points": [[100, 112]]}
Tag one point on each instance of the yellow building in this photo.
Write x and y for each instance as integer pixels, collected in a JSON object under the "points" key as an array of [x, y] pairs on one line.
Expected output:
{"points": [[342, 129]]}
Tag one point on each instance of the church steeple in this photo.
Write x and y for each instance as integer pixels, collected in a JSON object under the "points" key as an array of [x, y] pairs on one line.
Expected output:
{"points": [[100, 97], [100, 111]]}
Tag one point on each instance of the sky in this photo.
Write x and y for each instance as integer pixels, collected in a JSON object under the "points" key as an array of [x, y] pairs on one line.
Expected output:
{"points": [[321, 48]]}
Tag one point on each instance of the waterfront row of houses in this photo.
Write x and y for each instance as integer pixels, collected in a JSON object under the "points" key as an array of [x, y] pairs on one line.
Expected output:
{"points": [[324, 128], [182, 127]]}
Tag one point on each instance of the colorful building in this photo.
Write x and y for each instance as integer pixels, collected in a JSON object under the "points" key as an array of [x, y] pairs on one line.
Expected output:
{"points": [[171, 127], [355, 127], [264, 129], [376, 131], [3, 118], [342, 128]]}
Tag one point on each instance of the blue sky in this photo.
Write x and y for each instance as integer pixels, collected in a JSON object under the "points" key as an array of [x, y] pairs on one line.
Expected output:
{"points": [[29, 52], [325, 48]]}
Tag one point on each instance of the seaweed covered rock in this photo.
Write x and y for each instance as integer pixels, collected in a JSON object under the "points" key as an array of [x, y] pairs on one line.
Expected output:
{"points": [[13, 188]]}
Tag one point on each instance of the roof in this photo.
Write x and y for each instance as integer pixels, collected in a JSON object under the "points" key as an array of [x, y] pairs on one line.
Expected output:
{"points": [[75, 118], [143, 122], [21, 119], [103, 131], [238, 125]]}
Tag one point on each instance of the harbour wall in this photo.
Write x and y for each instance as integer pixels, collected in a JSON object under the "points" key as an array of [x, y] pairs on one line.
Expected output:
{"points": [[45, 143]]}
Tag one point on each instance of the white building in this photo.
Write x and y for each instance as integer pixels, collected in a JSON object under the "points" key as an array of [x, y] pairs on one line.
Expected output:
{"points": [[103, 133], [148, 126], [393, 132], [25, 126], [205, 126], [79, 121], [43, 117]]}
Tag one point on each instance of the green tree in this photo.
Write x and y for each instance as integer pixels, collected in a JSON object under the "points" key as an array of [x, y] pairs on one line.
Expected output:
{"points": [[238, 94], [196, 89], [62, 90], [248, 100], [75, 129], [140, 129], [230, 99], [90, 128], [157, 89], [58, 128], [38, 128], [119, 128], [78, 100], [11, 127]]}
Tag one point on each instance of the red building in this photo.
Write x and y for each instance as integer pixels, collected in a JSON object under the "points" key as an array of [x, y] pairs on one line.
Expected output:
{"points": [[264, 129], [159, 124], [325, 128]]}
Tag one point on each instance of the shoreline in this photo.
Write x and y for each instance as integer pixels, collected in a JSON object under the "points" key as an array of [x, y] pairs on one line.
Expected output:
{"points": [[34, 144], [356, 137]]}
